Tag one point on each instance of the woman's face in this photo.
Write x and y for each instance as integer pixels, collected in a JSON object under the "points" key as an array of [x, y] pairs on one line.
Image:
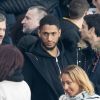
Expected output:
{"points": [[70, 87]]}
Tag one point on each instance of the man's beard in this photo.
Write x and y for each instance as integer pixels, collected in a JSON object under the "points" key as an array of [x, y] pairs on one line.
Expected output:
{"points": [[48, 48]]}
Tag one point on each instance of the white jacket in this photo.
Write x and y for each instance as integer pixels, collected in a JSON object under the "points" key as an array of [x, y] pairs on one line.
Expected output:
{"points": [[82, 96], [10, 90]]}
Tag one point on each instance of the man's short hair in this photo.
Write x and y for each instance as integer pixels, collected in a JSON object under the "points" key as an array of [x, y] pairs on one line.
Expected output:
{"points": [[49, 20], [41, 10], [2, 17], [38, 7], [77, 8]]}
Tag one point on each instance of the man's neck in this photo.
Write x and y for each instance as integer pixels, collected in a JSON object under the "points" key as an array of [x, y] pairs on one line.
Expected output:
{"points": [[78, 22], [53, 52]]}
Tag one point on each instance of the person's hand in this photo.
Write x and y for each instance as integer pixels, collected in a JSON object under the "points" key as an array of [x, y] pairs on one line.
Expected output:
{"points": [[92, 38]]}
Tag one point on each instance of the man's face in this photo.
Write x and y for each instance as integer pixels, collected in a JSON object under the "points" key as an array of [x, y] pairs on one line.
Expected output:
{"points": [[30, 21], [49, 35], [2, 30]]}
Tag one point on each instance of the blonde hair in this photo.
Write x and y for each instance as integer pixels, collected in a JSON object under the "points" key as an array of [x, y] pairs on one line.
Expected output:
{"points": [[78, 75]]}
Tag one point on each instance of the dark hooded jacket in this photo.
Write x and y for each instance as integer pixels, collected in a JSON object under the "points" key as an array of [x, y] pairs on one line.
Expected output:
{"points": [[41, 72], [91, 64]]}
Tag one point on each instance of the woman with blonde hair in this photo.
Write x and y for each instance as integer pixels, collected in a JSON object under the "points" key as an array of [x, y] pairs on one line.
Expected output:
{"points": [[76, 84]]}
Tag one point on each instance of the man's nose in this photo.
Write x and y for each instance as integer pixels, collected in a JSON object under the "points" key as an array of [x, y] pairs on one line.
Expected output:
{"points": [[23, 21], [50, 37]]}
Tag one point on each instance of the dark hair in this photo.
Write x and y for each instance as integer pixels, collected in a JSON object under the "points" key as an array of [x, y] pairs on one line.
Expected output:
{"points": [[50, 20], [11, 59], [93, 21], [77, 8]]}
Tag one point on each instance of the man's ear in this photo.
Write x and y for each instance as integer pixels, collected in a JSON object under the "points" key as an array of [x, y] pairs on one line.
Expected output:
{"points": [[38, 32], [59, 32]]}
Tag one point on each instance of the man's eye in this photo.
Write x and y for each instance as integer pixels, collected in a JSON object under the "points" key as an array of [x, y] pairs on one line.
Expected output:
{"points": [[45, 33], [53, 33]]}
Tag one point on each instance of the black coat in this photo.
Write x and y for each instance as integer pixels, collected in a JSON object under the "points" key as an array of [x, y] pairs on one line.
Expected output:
{"points": [[70, 37], [41, 72], [70, 33], [91, 64]]}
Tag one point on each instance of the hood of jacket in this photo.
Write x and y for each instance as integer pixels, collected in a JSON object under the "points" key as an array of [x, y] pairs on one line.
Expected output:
{"points": [[37, 49]]}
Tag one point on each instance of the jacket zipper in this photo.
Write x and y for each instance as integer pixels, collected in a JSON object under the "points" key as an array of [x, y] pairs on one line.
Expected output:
{"points": [[58, 65]]}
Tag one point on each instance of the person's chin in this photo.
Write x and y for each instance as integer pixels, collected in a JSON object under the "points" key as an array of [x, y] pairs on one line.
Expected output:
{"points": [[50, 47], [70, 94]]}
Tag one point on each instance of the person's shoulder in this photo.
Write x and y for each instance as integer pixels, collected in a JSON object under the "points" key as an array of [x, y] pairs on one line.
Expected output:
{"points": [[93, 97], [26, 42]]}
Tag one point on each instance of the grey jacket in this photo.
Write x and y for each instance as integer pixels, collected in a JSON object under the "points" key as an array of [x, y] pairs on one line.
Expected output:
{"points": [[82, 96]]}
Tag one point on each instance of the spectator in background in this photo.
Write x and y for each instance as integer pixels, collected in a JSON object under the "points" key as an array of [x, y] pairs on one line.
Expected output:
{"points": [[71, 27], [90, 33], [76, 84], [32, 18], [30, 26], [12, 84]]}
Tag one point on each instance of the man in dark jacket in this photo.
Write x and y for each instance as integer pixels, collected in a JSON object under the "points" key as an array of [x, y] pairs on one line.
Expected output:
{"points": [[44, 62], [71, 27], [91, 58]]}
